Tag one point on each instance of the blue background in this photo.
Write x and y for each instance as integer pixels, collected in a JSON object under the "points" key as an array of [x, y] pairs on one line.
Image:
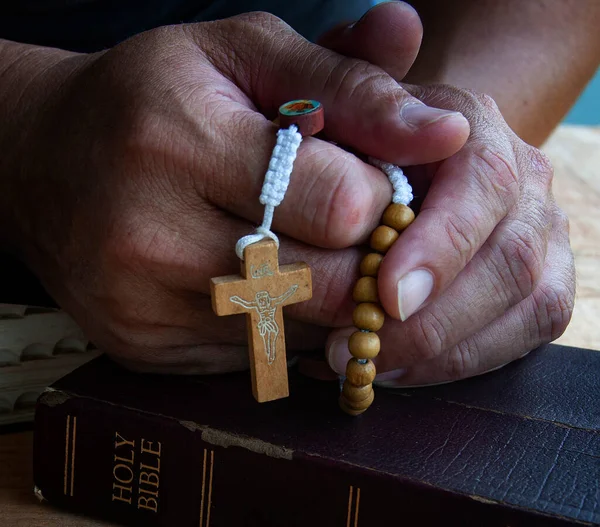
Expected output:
{"points": [[587, 108]]}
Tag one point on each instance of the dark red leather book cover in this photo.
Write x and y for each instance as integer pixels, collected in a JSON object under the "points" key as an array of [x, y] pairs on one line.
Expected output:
{"points": [[516, 447]]}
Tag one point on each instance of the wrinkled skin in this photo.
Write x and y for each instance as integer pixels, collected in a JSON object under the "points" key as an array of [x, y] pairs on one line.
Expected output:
{"points": [[145, 166], [490, 232]]}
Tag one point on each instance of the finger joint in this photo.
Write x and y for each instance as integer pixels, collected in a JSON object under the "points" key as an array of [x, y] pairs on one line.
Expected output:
{"points": [[554, 305], [523, 253]]}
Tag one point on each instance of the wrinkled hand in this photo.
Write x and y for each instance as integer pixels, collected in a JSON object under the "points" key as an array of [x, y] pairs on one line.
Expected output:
{"points": [[485, 273], [143, 168]]}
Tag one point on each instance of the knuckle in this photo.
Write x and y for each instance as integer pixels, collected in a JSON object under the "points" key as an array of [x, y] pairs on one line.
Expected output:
{"points": [[124, 332], [243, 46], [496, 175], [462, 360], [496, 281], [140, 245], [145, 140], [430, 337], [554, 304], [524, 255], [124, 248], [479, 105], [248, 26], [345, 207], [353, 74], [119, 250], [561, 221], [540, 165], [131, 320], [358, 80], [150, 146], [127, 341], [134, 354], [487, 103], [462, 234], [260, 18]]}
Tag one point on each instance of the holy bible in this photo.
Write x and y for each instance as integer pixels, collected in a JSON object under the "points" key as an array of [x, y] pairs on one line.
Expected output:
{"points": [[516, 447]]}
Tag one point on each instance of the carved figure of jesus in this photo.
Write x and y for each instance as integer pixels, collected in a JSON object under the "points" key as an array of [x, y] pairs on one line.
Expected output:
{"points": [[254, 292], [266, 306]]}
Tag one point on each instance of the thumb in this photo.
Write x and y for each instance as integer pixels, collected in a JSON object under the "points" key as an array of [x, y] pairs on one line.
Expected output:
{"points": [[388, 35], [365, 108]]}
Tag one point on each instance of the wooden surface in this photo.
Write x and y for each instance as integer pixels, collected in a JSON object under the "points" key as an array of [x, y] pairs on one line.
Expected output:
{"points": [[261, 292], [18, 506], [575, 152]]}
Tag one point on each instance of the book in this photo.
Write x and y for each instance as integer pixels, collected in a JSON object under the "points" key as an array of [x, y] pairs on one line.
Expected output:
{"points": [[514, 447], [37, 347]]}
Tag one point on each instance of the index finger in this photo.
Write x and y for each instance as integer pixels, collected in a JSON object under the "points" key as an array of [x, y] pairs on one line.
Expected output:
{"points": [[470, 194], [365, 107]]}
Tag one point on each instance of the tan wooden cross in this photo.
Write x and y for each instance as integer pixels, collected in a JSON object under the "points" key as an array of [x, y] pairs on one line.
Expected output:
{"points": [[261, 291]]}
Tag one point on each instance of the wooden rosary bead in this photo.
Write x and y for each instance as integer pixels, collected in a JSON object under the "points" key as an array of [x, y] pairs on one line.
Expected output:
{"points": [[365, 290], [357, 393], [350, 411], [364, 345], [360, 374], [354, 393], [369, 266], [383, 238], [398, 216], [368, 316], [358, 405]]}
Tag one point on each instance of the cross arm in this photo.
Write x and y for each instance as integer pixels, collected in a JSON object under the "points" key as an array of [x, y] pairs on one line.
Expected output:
{"points": [[297, 274], [222, 289]]}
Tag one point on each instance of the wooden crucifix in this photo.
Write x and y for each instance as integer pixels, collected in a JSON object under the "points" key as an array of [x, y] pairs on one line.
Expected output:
{"points": [[261, 291]]}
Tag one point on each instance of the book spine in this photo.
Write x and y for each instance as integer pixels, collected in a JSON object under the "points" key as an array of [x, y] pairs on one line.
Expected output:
{"points": [[134, 468]]}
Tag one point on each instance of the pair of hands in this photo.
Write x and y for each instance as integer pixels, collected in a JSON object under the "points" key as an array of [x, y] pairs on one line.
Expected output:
{"points": [[142, 166]]}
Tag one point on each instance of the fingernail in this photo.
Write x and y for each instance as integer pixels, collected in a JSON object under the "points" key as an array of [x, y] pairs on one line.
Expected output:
{"points": [[413, 290], [338, 356], [392, 375], [370, 10], [419, 115]]}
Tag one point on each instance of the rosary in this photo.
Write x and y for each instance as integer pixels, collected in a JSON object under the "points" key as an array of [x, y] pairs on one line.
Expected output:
{"points": [[263, 288]]}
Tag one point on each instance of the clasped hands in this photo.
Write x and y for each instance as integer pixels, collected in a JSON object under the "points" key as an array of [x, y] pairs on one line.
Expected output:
{"points": [[149, 159]]}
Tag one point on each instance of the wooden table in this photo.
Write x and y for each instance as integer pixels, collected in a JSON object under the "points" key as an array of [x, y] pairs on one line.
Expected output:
{"points": [[575, 152]]}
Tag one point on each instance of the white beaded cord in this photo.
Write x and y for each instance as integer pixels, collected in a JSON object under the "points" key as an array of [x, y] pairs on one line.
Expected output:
{"points": [[402, 189], [275, 185], [277, 180]]}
